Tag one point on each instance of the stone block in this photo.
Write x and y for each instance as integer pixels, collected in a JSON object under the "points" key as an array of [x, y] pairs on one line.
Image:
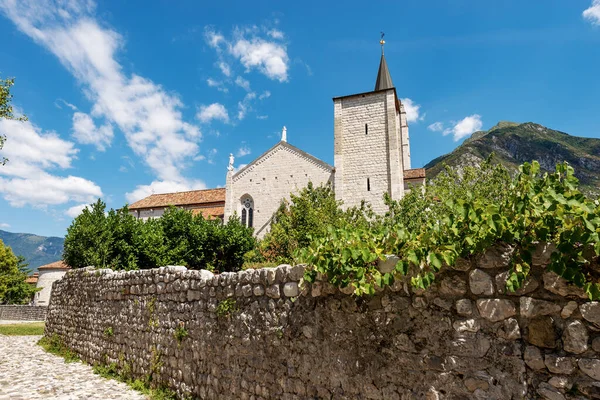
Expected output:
{"points": [[531, 308], [533, 358], [453, 286], [480, 283], [560, 365], [464, 307], [496, 309], [591, 312], [290, 289], [591, 367], [558, 285], [540, 332], [497, 256], [575, 337]]}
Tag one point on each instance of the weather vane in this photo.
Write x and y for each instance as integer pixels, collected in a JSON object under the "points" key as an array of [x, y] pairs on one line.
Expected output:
{"points": [[382, 42]]}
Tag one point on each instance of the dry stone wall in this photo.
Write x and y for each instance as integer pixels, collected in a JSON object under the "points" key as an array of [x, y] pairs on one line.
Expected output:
{"points": [[22, 313], [258, 334]]}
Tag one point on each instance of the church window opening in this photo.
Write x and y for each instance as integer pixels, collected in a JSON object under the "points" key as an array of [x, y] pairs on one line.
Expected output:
{"points": [[368, 185], [366, 129], [247, 211]]}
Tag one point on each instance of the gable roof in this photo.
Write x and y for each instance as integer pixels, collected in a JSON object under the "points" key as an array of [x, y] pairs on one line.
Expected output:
{"points": [[55, 265], [288, 147], [181, 198]]}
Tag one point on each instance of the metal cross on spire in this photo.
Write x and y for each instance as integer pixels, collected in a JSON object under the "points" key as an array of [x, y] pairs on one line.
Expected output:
{"points": [[382, 42]]}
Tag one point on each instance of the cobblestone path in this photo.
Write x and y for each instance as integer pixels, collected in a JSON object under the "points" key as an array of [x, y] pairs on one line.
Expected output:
{"points": [[28, 372]]}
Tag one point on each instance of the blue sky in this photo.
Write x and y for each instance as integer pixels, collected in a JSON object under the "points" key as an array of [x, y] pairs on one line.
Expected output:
{"points": [[129, 98]]}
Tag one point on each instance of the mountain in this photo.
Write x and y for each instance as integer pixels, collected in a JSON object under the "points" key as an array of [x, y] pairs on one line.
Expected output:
{"points": [[37, 250], [513, 144]]}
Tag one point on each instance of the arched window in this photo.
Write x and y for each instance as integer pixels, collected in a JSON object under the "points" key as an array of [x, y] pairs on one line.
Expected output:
{"points": [[247, 211]]}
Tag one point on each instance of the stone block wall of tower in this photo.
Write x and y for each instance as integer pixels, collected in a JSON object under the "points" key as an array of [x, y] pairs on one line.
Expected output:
{"points": [[368, 159]]}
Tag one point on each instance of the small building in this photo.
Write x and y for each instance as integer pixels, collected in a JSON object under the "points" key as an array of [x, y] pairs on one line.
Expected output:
{"points": [[48, 274], [210, 203]]}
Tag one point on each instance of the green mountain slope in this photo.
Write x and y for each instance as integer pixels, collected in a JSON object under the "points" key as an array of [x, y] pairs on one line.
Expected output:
{"points": [[37, 250], [514, 144]]}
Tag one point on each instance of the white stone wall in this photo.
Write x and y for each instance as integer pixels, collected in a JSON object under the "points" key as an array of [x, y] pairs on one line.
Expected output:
{"points": [[45, 281], [145, 214], [374, 155], [270, 179]]}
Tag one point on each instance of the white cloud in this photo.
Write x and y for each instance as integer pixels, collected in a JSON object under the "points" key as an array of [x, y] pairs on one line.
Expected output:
{"points": [[465, 127], [58, 103], [239, 167], [4, 225], [436, 127], [156, 187], [264, 95], [262, 116], [243, 83], [149, 116], [85, 131], [76, 210], [225, 68], [245, 106], [214, 111], [33, 154], [592, 14], [268, 57], [253, 52], [217, 84], [412, 110], [243, 151], [275, 34]]}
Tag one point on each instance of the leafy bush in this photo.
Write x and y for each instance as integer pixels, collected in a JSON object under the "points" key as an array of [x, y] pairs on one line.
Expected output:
{"points": [[462, 215], [306, 216], [118, 240], [13, 274]]}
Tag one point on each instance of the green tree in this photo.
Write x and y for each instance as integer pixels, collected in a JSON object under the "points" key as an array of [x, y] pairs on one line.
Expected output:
{"points": [[297, 221], [88, 240], [13, 274], [6, 110]]}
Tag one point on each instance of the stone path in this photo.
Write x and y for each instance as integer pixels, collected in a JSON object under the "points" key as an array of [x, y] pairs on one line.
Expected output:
{"points": [[28, 372]]}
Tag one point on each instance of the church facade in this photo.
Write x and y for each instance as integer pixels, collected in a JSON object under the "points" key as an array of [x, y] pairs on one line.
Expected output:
{"points": [[371, 157]]}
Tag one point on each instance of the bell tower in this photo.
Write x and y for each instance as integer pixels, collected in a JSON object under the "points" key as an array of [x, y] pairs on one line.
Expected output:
{"points": [[371, 149]]}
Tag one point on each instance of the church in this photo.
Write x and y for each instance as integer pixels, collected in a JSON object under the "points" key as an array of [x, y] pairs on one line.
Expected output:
{"points": [[371, 157]]}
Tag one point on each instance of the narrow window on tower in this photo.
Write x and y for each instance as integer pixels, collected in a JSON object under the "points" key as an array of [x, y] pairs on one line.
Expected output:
{"points": [[368, 185], [244, 216], [366, 129]]}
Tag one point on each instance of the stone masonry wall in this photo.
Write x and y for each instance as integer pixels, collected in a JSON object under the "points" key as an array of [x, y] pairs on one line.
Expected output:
{"points": [[258, 334], [23, 313]]}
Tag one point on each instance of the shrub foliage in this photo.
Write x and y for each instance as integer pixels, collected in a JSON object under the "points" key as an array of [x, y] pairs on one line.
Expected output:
{"points": [[461, 215], [117, 240]]}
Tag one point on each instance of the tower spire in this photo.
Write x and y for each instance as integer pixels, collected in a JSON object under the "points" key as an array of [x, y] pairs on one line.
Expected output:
{"points": [[384, 79]]}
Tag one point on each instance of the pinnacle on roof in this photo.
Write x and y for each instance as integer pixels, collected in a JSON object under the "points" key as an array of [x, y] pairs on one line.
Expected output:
{"points": [[384, 79]]}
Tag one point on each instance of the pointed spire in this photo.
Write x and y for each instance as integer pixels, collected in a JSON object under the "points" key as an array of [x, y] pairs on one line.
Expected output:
{"points": [[384, 79]]}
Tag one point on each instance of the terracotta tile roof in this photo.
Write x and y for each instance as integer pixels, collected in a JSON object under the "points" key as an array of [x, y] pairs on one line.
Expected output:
{"points": [[416, 173], [210, 212], [55, 265], [181, 198], [33, 278]]}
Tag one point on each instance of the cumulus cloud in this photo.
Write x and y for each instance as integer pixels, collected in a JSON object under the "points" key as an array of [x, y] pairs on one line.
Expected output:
{"points": [[247, 46], [592, 14], [148, 115], [225, 68], [4, 225], [85, 131], [275, 34], [243, 151], [436, 127], [465, 127], [412, 110], [243, 83], [214, 111], [33, 155], [245, 106], [76, 210]]}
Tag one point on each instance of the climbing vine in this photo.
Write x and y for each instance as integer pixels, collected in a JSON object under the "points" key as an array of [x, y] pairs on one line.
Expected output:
{"points": [[532, 208]]}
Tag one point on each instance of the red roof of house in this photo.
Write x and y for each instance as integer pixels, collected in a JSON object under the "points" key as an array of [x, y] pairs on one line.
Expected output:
{"points": [[210, 212], [181, 199], [55, 265], [33, 278]]}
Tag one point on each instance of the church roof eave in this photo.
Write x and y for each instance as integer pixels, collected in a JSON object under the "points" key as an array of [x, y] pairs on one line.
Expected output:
{"points": [[302, 153]]}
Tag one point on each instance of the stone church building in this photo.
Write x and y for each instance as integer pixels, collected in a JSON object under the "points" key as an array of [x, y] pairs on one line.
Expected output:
{"points": [[371, 157]]}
